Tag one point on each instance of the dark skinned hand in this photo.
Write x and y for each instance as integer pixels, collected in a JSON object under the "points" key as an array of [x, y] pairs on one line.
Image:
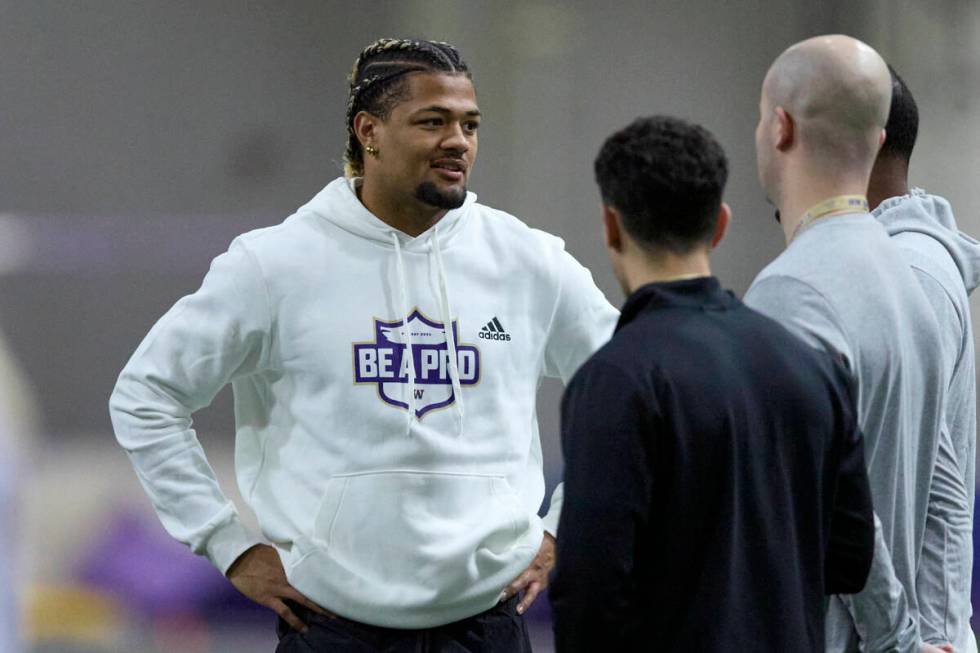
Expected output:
{"points": [[258, 574], [534, 579]]}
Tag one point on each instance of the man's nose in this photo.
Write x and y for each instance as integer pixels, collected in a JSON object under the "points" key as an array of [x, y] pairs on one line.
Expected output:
{"points": [[455, 139]]}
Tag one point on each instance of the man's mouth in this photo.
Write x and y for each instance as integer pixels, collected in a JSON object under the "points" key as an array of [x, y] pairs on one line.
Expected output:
{"points": [[450, 169]]}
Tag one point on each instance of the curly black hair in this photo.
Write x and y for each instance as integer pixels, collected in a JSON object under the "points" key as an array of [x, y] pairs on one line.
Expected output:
{"points": [[378, 82], [665, 177], [902, 127]]}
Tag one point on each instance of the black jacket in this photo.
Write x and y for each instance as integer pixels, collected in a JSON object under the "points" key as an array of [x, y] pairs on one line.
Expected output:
{"points": [[715, 484]]}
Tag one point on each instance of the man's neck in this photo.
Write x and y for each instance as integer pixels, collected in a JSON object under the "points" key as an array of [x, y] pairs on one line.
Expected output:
{"points": [[642, 270], [890, 178], [797, 199], [406, 214]]}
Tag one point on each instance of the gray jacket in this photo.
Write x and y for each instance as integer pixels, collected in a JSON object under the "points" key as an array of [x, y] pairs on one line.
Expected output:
{"points": [[947, 264], [844, 286]]}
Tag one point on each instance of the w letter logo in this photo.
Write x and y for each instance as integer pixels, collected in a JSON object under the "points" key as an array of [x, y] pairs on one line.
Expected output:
{"points": [[385, 362]]}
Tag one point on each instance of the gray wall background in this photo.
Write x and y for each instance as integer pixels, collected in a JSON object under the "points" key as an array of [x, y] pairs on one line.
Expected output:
{"points": [[137, 139]]}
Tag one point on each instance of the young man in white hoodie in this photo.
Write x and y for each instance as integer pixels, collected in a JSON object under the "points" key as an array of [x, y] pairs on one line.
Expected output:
{"points": [[946, 263], [385, 344]]}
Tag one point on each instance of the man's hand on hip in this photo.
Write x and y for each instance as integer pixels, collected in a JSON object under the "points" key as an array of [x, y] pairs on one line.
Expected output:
{"points": [[258, 574], [535, 578]]}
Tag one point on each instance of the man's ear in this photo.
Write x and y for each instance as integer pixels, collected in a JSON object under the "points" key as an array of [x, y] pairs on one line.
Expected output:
{"points": [[785, 128], [366, 128], [724, 217], [612, 228]]}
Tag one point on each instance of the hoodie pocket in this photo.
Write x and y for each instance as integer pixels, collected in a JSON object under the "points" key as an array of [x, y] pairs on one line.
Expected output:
{"points": [[409, 539], [403, 509]]}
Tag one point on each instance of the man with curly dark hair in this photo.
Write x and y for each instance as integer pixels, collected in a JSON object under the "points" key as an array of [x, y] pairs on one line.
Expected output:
{"points": [[715, 487]]}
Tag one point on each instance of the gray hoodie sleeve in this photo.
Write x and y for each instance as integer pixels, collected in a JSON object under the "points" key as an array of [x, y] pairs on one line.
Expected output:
{"points": [[944, 608], [880, 612], [948, 532]]}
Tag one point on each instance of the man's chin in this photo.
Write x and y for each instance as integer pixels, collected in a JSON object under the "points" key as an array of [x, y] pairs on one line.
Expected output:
{"points": [[441, 198]]}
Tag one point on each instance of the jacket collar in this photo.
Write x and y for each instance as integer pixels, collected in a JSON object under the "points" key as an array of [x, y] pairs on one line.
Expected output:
{"points": [[704, 293]]}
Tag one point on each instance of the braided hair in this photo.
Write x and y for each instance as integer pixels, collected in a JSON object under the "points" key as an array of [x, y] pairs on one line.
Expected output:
{"points": [[377, 82]]}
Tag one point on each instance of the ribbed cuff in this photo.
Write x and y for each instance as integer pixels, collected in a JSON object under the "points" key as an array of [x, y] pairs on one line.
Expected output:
{"points": [[227, 542]]}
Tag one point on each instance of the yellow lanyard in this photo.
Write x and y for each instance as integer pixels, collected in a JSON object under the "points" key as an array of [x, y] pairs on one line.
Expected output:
{"points": [[829, 207]]}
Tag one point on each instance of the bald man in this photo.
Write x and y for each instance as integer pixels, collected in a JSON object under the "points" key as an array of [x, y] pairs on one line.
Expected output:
{"points": [[843, 286]]}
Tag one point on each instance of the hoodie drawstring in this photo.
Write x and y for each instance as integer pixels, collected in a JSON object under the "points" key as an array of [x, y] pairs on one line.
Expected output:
{"points": [[403, 297], [447, 325]]}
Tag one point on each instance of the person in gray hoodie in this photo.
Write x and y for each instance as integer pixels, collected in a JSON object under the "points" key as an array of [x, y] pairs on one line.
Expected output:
{"points": [[843, 286], [947, 265]]}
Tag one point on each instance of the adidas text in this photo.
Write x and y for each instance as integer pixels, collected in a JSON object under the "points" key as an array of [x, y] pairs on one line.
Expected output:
{"points": [[494, 330], [487, 335]]}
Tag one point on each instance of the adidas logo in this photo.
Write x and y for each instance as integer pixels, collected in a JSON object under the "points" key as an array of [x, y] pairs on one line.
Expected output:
{"points": [[494, 330]]}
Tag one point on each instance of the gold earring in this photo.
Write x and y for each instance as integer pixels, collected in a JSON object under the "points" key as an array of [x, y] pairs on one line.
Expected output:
{"points": [[372, 150]]}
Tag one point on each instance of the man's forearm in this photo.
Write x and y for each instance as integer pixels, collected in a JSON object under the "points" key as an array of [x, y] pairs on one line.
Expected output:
{"points": [[880, 612], [942, 579]]}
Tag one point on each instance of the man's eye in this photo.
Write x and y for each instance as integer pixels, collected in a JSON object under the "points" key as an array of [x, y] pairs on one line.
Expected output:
{"points": [[432, 122], [472, 126]]}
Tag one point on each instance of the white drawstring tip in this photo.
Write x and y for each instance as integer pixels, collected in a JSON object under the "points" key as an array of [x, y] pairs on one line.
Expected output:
{"points": [[459, 421]]}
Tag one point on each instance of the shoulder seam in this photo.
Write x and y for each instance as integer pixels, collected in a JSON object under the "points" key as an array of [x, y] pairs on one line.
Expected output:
{"points": [[268, 295], [829, 304]]}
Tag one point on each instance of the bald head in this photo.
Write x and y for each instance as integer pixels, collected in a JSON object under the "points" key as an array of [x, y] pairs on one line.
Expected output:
{"points": [[837, 91]]}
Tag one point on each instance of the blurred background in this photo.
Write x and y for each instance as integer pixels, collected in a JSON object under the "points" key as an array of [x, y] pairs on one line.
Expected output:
{"points": [[137, 139]]}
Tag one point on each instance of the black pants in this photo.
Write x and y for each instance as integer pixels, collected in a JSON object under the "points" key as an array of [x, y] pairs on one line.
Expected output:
{"points": [[498, 630]]}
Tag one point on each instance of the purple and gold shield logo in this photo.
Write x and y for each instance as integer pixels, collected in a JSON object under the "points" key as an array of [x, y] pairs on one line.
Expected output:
{"points": [[386, 363]]}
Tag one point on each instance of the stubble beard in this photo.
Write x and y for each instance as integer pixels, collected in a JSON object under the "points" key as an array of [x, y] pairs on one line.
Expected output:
{"points": [[428, 193]]}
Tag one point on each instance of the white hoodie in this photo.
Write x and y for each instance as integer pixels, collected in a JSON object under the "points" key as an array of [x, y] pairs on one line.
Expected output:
{"points": [[396, 499]]}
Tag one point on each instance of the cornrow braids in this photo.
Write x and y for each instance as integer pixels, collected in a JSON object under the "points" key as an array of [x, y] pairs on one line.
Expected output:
{"points": [[377, 82]]}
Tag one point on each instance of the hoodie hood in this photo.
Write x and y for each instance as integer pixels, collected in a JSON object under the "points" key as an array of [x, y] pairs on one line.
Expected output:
{"points": [[339, 204], [932, 216]]}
